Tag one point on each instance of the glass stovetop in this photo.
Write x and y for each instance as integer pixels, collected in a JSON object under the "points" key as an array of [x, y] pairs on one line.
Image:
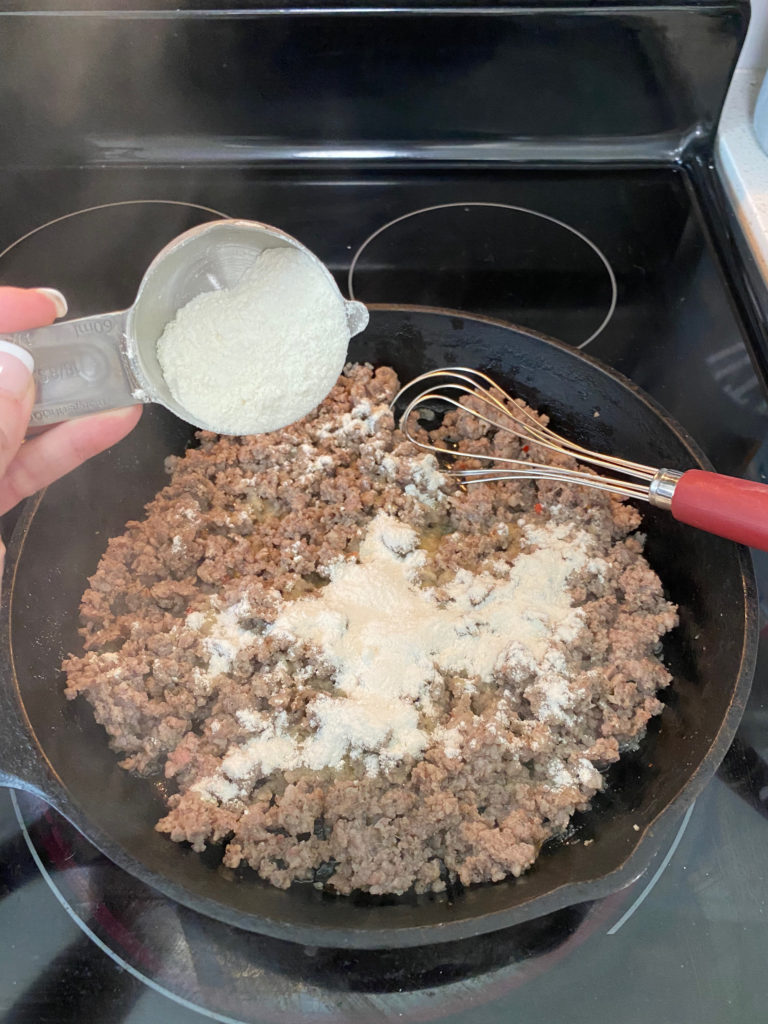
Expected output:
{"points": [[617, 261]]}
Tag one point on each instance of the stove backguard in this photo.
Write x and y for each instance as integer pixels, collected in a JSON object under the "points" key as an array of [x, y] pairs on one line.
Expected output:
{"points": [[84, 82]]}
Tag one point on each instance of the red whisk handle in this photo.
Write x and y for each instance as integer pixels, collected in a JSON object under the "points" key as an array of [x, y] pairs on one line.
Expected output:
{"points": [[724, 505]]}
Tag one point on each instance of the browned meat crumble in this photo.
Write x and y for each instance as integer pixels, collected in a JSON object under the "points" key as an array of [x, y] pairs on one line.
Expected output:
{"points": [[183, 669]]}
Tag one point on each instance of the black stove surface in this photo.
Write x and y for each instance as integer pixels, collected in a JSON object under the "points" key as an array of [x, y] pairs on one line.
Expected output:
{"points": [[619, 261]]}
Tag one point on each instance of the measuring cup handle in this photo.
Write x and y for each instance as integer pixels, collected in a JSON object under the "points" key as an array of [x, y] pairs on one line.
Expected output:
{"points": [[79, 367]]}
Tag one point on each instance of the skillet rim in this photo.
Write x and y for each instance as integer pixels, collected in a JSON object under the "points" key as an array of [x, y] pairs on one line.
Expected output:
{"points": [[27, 767]]}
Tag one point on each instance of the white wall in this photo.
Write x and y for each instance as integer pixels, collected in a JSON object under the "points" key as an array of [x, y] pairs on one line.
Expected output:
{"points": [[755, 52]]}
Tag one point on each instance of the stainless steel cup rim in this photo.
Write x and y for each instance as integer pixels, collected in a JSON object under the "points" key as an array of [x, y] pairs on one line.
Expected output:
{"points": [[115, 354]]}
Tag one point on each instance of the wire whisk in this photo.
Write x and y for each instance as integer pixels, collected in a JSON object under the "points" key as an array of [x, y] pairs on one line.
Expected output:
{"points": [[727, 506]]}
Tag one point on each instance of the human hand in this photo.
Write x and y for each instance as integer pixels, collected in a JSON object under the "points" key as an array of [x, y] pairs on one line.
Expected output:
{"points": [[27, 466]]}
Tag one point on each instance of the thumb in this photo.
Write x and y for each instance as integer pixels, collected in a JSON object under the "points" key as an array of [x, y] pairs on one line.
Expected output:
{"points": [[17, 395]]}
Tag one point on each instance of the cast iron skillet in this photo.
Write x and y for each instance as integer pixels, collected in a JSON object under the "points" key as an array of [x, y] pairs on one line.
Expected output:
{"points": [[54, 748]]}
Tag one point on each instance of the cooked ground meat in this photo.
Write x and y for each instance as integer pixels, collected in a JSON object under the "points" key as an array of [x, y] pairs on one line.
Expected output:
{"points": [[188, 667]]}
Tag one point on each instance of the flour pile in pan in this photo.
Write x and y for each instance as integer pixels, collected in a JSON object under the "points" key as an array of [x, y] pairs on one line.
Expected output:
{"points": [[358, 674]]}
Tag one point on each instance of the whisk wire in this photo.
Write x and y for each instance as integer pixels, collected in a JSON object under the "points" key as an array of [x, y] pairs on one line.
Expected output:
{"points": [[515, 419]]}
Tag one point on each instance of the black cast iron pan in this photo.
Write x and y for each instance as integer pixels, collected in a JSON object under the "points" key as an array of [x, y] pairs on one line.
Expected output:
{"points": [[54, 748]]}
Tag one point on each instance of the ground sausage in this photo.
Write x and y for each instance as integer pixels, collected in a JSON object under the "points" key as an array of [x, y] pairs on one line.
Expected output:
{"points": [[247, 524]]}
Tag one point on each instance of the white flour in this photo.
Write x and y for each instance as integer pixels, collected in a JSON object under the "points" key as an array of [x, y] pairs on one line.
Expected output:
{"points": [[225, 638], [389, 641], [256, 357], [386, 636]]}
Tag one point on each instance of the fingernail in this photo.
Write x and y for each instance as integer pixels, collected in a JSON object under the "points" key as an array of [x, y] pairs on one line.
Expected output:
{"points": [[58, 300], [16, 366]]}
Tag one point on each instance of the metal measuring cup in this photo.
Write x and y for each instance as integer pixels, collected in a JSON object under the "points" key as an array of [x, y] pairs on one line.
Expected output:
{"points": [[110, 360]]}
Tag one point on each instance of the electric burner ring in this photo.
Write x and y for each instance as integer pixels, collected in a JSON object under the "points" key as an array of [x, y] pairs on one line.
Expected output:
{"points": [[501, 206], [82, 900], [109, 206]]}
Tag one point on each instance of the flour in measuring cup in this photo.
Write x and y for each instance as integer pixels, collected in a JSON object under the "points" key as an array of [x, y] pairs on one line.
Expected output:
{"points": [[256, 357]]}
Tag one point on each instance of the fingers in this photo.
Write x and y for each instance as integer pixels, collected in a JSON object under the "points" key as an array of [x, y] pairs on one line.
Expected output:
{"points": [[26, 468], [17, 394], [61, 449], [22, 308]]}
